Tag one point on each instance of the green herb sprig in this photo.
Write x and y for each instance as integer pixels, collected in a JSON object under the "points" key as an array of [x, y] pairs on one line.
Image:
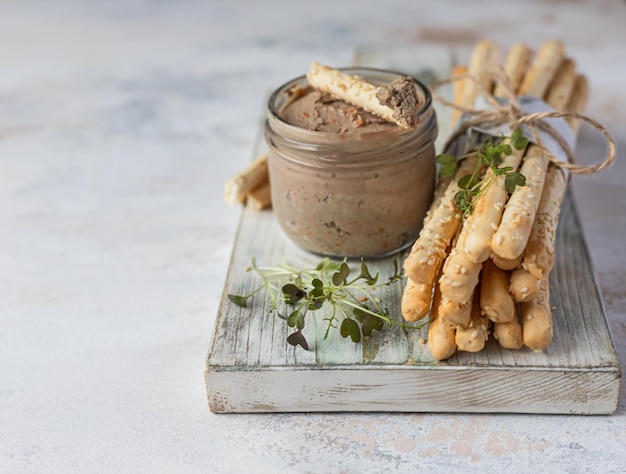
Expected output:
{"points": [[473, 186], [294, 293]]}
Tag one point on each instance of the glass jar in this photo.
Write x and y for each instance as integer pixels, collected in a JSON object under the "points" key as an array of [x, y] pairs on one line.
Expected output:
{"points": [[356, 194]]}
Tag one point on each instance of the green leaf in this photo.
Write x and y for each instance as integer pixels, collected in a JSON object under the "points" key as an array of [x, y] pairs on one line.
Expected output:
{"points": [[460, 199], [366, 275], [370, 323], [512, 180], [468, 181], [358, 314], [292, 293], [518, 140], [296, 319], [315, 304], [448, 165], [350, 327], [297, 338], [339, 278], [238, 300], [318, 289]]}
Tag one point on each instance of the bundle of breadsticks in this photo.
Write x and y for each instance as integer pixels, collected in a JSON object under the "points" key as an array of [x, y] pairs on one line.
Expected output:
{"points": [[488, 273]]}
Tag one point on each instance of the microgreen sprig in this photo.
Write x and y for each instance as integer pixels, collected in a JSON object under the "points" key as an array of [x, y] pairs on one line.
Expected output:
{"points": [[294, 293], [490, 157]]}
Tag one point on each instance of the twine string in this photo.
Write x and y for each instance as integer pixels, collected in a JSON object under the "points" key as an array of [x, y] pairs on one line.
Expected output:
{"points": [[509, 113]]}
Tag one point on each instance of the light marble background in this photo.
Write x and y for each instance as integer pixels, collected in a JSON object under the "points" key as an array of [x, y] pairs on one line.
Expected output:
{"points": [[119, 122]]}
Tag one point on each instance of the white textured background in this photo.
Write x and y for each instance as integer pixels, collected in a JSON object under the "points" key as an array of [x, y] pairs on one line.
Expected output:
{"points": [[119, 122]]}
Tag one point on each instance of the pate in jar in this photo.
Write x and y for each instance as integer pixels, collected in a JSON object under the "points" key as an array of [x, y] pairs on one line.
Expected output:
{"points": [[345, 182]]}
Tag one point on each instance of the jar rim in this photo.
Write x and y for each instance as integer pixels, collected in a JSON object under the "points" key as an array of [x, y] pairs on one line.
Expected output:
{"points": [[348, 70]]}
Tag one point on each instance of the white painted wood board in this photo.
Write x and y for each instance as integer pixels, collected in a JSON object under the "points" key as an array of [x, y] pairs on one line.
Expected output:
{"points": [[252, 368]]}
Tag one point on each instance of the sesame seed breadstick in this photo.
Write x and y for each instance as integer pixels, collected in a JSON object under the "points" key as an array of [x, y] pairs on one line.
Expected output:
{"points": [[560, 91], [429, 250], [495, 300], [543, 69], [260, 197], [578, 101], [516, 63], [458, 89], [483, 60], [455, 314], [255, 174], [505, 263], [524, 285], [509, 335], [487, 214], [539, 253], [460, 273], [417, 297], [473, 338], [536, 318], [416, 300], [440, 335], [355, 91], [511, 237]]}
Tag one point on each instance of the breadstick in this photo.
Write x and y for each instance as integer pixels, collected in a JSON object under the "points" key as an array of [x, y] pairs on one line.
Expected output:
{"points": [[473, 338], [511, 237], [537, 319], [417, 297], [524, 285], [358, 92], [560, 91], [429, 250], [483, 60], [510, 240], [495, 300], [455, 314], [440, 335], [260, 197], [460, 273], [578, 101], [416, 300], [488, 211], [542, 69], [237, 188], [506, 264], [539, 253], [515, 66], [458, 89], [509, 334]]}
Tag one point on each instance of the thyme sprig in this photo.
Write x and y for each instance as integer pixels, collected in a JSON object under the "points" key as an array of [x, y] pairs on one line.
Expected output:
{"points": [[294, 293], [490, 158]]}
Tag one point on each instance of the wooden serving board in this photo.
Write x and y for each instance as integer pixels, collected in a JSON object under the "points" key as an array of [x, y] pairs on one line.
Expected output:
{"points": [[252, 368]]}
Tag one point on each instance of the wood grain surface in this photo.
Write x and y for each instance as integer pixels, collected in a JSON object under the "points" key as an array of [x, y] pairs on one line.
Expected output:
{"points": [[251, 368]]}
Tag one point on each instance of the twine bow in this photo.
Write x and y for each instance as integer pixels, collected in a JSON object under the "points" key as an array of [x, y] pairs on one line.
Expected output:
{"points": [[509, 113]]}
